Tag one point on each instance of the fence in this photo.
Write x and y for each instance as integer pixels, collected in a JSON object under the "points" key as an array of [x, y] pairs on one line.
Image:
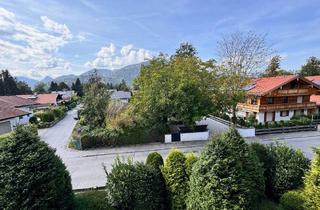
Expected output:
{"points": [[312, 127]]}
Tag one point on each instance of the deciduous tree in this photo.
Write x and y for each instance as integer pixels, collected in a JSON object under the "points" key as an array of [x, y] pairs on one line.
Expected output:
{"points": [[311, 68]]}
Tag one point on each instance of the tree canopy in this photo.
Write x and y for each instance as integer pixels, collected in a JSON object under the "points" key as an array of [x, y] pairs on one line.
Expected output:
{"points": [[311, 68], [274, 69], [40, 88], [10, 86], [78, 87]]}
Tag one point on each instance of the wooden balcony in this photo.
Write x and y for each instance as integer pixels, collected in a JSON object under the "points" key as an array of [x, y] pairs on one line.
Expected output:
{"points": [[276, 107], [291, 92]]}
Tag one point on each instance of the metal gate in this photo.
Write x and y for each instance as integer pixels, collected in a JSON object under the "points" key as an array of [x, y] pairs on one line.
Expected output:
{"points": [[175, 137]]}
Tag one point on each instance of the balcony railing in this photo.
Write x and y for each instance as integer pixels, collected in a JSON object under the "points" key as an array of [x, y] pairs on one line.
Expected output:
{"points": [[276, 107], [293, 92]]}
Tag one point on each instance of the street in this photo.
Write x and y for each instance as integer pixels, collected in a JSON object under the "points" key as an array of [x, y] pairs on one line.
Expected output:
{"points": [[86, 167]]}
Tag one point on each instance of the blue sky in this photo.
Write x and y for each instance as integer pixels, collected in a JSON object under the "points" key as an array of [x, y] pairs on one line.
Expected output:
{"points": [[39, 38]]}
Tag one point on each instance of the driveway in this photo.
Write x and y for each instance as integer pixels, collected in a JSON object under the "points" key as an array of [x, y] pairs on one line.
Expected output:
{"points": [[86, 167]]}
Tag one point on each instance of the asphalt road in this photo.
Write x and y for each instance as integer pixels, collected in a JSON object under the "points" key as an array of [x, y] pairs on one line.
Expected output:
{"points": [[86, 167]]}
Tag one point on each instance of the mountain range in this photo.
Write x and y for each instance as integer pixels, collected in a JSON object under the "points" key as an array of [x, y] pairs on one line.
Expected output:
{"points": [[127, 73]]}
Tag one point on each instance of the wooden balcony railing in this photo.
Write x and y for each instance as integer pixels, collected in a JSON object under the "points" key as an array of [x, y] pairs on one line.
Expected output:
{"points": [[276, 107], [292, 92]]}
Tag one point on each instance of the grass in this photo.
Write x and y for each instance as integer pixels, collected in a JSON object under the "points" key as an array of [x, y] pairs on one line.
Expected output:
{"points": [[91, 200]]}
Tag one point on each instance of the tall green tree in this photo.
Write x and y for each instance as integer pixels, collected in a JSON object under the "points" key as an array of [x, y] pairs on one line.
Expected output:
{"points": [[95, 102], [63, 86], [53, 86], [274, 69], [174, 90], [9, 83], [311, 68], [186, 50], [32, 176], [23, 88], [226, 176], [78, 87], [40, 88], [122, 86]]}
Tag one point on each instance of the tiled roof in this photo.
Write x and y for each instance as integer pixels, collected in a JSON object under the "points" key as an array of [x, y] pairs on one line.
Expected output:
{"points": [[314, 79], [315, 98], [262, 86], [7, 111], [50, 98], [121, 95], [17, 101]]}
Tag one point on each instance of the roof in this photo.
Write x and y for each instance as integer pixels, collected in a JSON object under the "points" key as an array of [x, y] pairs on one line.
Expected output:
{"points": [[17, 101], [316, 99], [7, 111], [264, 85], [314, 79], [50, 98], [121, 95]]}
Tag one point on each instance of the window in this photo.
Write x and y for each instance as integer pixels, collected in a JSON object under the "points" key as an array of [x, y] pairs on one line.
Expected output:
{"points": [[270, 100], [284, 113], [254, 101], [285, 99], [299, 99], [20, 117]]}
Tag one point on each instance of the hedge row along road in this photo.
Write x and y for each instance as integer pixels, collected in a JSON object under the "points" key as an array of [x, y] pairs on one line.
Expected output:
{"points": [[86, 167]]}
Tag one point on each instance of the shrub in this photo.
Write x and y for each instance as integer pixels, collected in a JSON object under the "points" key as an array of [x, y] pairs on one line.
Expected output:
{"points": [[292, 200], [284, 168], [93, 200], [134, 186], [226, 176], [175, 174], [58, 112], [45, 116], [33, 120], [32, 176], [312, 184], [191, 158], [154, 159]]}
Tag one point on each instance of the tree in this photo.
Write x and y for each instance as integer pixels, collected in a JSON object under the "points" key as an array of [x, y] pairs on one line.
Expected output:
{"points": [[40, 88], [174, 90], [311, 68], [53, 86], [78, 87], [284, 168], [32, 176], [174, 172], [23, 88], [241, 55], [63, 86], [95, 102], [191, 159], [154, 159], [226, 176], [9, 84], [134, 186], [122, 86], [274, 68], [186, 50], [312, 184]]}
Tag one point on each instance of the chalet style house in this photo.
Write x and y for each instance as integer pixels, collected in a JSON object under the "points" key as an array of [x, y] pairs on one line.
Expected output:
{"points": [[278, 98]]}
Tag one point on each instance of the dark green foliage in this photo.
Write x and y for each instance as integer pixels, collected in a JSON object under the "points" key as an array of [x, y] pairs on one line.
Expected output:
{"points": [[32, 176], [45, 116], [91, 200], [311, 68], [63, 86], [33, 120], [134, 186], [312, 184], [154, 159], [58, 112], [174, 172], [226, 176], [191, 159], [186, 50], [121, 86], [78, 87], [292, 200], [284, 168], [40, 88], [53, 86], [10, 86], [274, 68]]}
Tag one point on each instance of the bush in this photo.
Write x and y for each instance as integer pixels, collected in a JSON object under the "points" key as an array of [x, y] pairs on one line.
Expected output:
{"points": [[154, 159], [33, 120], [284, 168], [175, 174], [292, 200], [32, 176], [191, 158], [312, 184], [58, 112], [45, 116], [134, 186], [226, 176], [93, 200]]}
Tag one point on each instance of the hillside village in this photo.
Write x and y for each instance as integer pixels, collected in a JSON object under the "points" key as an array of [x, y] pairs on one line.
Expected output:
{"points": [[170, 125]]}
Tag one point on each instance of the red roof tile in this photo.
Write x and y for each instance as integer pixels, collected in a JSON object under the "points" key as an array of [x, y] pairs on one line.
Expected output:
{"points": [[8, 111], [313, 78], [262, 86], [50, 98], [17, 101]]}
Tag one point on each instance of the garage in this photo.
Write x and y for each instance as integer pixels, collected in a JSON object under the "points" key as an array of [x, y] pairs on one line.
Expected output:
{"points": [[5, 127]]}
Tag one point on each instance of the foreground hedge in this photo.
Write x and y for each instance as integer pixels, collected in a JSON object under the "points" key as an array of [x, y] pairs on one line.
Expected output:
{"points": [[32, 176], [226, 176], [92, 200]]}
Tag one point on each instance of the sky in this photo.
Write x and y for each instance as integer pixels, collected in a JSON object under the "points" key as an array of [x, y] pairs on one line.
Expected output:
{"points": [[41, 38]]}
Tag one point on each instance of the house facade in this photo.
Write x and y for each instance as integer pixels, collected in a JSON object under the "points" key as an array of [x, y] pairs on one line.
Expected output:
{"points": [[278, 98]]}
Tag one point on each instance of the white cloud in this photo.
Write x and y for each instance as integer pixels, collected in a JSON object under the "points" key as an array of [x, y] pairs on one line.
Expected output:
{"points": [[113, 57], [25, 49]]}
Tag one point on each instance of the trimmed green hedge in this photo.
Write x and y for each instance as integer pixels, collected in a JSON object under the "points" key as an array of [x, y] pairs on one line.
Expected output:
{"points": [[93, 200]]}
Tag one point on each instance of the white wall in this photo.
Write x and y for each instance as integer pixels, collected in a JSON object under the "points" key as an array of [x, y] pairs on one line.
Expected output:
{"points": [[214, 127], [278, 117], [260, 117], [195, 136]]}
